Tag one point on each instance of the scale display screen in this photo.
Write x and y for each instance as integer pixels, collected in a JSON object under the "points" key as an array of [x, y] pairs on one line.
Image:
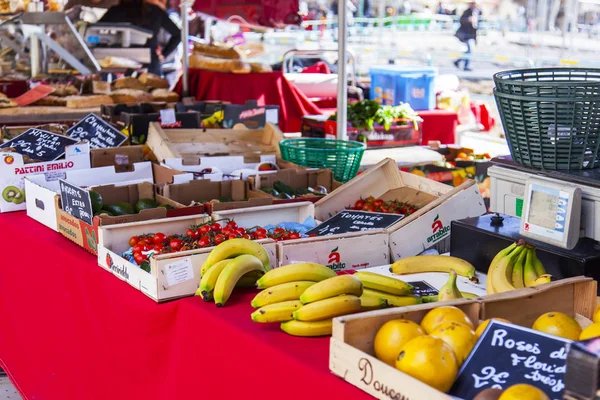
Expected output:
{"points": [[549, 213]]}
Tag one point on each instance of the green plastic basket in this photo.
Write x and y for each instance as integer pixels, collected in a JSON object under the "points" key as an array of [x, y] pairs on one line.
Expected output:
{"points": [[341, 156], [551, 116]]}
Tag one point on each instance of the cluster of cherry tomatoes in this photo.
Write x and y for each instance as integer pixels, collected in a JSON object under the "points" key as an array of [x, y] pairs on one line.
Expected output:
{"points": [[201, 236], [383, 206]]}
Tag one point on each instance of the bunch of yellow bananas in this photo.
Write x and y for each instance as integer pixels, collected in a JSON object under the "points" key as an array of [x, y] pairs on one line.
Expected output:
{"points": [[382, 291], [515, 267], [233, 263]]}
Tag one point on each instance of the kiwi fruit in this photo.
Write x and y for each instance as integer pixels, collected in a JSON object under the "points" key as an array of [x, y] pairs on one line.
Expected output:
{"points": [[13, 194]]}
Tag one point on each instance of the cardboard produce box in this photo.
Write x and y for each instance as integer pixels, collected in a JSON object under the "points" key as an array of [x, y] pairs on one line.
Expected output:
{"points": [[296, 179], [343, 252], [191, 144], [13, 171], [212, 194], [172, 275], [352, 355], [86, 235], [137, 125], [429, 226]]}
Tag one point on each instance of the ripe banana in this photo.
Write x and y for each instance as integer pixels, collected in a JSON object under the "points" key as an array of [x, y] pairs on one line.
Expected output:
{"points": [[518, 270], [209, 279], [433, 299], [307, 329], [529, 274], [418, 264], [295, 272], [336, 286], [489, 287], [503, 270], [328, 308], [284, 292], [236, 247], [369, 301], [384, 283], [249, 280], [232, 273], [278, 312], [450, 291], [393, 300], [537, 264], [546, 278]]}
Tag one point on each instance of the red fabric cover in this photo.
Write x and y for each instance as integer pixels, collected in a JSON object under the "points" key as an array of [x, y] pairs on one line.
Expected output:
{"points": [[266, 88], [273, 13], [318, 68], [438, 125], [72, 330]]}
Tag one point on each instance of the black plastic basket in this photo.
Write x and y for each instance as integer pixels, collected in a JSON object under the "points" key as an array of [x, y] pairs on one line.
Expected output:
{"points": [[551, 116]]}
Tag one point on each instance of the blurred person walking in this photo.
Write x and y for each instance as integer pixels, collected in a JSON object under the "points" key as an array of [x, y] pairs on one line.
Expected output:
{"points": [[467, 33]]}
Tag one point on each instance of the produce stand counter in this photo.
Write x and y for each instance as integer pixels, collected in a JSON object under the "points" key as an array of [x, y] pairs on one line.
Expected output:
{"points": [[42, 114], [89, 335]]}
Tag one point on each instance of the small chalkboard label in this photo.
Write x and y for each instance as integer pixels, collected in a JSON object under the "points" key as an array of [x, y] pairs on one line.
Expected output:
{"points": [[348, 221], [76, 201], [40, 145], [506, 355], [422, 288], [251, 114], [98, 132]]}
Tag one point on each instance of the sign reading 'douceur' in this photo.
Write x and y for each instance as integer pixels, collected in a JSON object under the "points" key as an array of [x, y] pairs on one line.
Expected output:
{"points": [[40, 145], [506, 355], [98, 132], [76, 201], [349, 221]]}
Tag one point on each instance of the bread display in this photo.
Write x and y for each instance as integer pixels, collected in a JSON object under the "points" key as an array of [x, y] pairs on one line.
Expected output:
{"points": [[88, 101], [129, 83], [210, 50], [130, 96], [219, 64], [165, 95], [5, 102], [260, 67], [63, 90], [119, 62], [53, 101], [153, 81]]}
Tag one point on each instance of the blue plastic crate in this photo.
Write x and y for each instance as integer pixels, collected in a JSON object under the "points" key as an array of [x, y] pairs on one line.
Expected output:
{"points": [[392, 84]]}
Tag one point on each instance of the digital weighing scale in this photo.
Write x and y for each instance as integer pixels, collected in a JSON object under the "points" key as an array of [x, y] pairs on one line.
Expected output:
{"points": [[120, 40], [557, 211]]}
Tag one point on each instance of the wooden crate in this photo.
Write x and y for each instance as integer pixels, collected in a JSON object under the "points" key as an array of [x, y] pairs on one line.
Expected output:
{"points": [[352, 352], [113, 241], [190, 144]]}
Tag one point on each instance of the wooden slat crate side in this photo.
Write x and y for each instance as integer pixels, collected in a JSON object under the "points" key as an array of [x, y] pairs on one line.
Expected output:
{"points": [[375, 377]]}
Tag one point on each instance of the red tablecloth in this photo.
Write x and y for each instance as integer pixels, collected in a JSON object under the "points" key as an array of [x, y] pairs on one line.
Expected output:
{"points": [[71, 330], [439, 125], [267, 88]]}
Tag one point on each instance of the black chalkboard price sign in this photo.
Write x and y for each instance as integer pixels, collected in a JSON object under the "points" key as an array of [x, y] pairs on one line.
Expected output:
{"points": [[348, 221], [509, 354], [98, 132], [76, 201], [40, 145]]}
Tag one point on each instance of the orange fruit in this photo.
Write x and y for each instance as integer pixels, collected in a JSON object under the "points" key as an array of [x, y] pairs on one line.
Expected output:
{"points": [[459, 337], [523, 391], [429, 360], [558, 324], [591, 331], [484, 324], [444, 314], [392, 336]]}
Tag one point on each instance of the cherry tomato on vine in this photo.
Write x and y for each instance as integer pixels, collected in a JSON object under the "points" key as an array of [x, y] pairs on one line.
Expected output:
{"points": [[175, 244], [139, 247], [148, 240], [204, 241], [368, 207], [226, 231], [241, 231], [192, 234], [231, 225], [215, 227], [279, 231], [294, 235], [133, 241], [232, 236], [261, 231], [260, 236], [159, 248], [139, 257], [246, 236], [159, 238], [359, 204], [220, 238], [378, 203], [204, 229]]}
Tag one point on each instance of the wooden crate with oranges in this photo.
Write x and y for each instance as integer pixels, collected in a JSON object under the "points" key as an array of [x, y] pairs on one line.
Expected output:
{"points": [[365, 347]]}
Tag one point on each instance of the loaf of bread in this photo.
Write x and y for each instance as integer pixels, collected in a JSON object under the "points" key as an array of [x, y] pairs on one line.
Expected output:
{"points": [[165, 95], [130, 96], [62, 90], [5, 102], [119, 62], [88, 101], [52, 101], [209, 50], [260, 67], [219, 64], [153, 81], [129, 83]]}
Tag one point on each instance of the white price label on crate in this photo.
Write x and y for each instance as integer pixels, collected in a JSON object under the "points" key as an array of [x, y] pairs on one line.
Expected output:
{"points": [[179, 271], [167, 116]]}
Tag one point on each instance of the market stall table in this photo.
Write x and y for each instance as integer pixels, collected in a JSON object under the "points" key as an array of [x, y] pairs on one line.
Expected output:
{"points": [[270, 88], [71, 330], [42, 115]]}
